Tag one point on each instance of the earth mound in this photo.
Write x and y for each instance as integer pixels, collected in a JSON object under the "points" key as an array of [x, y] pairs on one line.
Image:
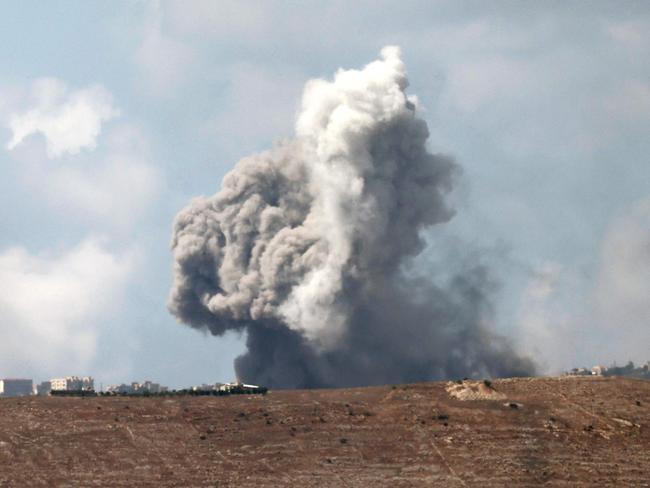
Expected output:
{"points": [[473, 390]]}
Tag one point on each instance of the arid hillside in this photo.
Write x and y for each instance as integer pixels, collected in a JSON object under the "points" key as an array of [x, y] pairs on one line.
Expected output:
{"points": [[515, 432]]}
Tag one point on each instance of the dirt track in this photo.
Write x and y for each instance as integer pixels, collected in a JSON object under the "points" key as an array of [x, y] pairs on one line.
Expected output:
{"points": [[558, 432]]}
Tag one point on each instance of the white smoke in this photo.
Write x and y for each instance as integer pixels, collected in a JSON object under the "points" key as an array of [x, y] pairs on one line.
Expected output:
{"points": [[304, 245]]}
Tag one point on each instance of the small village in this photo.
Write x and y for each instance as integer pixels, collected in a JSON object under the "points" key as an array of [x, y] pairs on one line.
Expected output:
{"points": [[85, 386]]}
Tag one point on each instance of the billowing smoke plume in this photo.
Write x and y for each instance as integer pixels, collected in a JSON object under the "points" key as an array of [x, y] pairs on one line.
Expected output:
{"points": [[304, 248]]}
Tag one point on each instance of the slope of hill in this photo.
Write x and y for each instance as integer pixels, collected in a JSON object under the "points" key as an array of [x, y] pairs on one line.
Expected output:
{"points": [[514, 432]]}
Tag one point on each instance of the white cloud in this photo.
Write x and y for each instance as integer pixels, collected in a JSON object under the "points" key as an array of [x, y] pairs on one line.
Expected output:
{"points": [[496, 78], [261, 105], [118, 192], [70, 120], [633, 33], [50, 305], [110, 185], [110, 189], [162, 59], [225, 19], [117, 189]]}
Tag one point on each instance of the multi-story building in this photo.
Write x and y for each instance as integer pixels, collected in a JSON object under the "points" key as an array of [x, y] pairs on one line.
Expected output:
{"points": [[15, 387], [151, 387], [73, 383], [123, 388], [204, 387]]}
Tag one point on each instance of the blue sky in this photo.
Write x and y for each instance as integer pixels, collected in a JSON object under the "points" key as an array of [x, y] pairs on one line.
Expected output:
{"points": [[114, 115]]}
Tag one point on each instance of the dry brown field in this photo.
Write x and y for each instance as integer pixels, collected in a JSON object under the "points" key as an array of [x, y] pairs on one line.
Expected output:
{"points": [[568, 432]]}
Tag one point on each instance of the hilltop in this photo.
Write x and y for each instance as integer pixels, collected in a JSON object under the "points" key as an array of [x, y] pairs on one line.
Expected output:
{"points": [[569, 431]]}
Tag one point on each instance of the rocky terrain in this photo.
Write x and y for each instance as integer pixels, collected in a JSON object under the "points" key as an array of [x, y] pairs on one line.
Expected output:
{"points": [[571, 431]]}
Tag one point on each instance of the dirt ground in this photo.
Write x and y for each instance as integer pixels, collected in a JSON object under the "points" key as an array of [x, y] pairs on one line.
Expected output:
{"points": [[568, 432]]}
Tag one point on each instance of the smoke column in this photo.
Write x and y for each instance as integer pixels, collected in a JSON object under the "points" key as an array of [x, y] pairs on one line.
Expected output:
{"points": [[305, 249]]}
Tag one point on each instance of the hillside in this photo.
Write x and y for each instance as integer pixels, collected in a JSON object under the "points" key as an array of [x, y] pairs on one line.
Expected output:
{"points": [[516, 432]]}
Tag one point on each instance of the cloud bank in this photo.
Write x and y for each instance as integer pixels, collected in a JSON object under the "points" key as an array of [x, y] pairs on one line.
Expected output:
{"points": [[51, 304], [60, 296]]}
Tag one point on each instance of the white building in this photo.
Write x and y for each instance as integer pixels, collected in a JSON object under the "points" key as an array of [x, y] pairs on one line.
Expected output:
{"points": [[123, 388], [151, 387], [15, 387], [598, 370], [73, 383]]}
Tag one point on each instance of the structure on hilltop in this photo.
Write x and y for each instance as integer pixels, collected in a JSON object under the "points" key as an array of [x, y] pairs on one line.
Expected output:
{"points": [[135, 388], [73, 383]]}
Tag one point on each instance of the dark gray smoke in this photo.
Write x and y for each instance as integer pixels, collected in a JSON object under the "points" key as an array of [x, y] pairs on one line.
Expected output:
{"points": [[305, 246]]}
